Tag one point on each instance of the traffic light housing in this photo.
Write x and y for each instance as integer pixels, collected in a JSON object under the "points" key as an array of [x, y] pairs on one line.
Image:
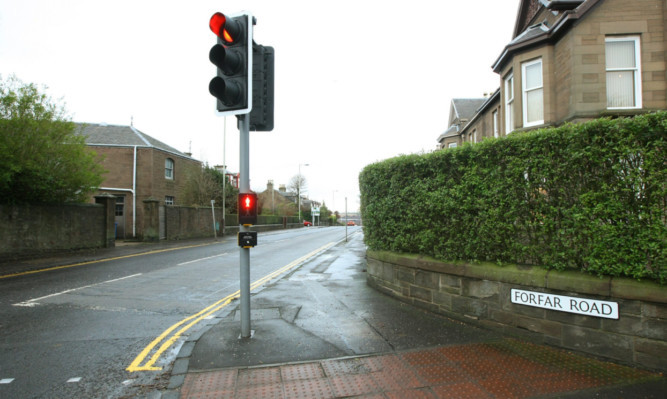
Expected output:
{"points": [[261, 115], [247, 211], [232, 55]]}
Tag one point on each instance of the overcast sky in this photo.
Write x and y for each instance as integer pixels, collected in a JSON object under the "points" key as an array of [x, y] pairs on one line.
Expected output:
{"points": [[356, 81]]}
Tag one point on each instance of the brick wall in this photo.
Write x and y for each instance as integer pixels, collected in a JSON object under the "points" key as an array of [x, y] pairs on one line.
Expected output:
{"points": [[480, 293]]}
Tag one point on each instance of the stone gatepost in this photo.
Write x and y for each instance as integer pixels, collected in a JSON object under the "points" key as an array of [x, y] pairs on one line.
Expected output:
{"points": [[109, 202], [151, 220]]}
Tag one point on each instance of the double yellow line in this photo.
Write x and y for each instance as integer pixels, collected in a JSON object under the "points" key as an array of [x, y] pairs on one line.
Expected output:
{"points": [[168, 339]]}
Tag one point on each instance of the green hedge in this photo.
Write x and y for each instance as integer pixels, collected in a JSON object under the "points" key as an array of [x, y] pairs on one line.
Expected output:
{"points": [[590, 196]]}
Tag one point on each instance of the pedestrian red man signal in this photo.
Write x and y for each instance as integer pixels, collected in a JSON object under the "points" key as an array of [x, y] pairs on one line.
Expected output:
{"points": [[247, 209]]}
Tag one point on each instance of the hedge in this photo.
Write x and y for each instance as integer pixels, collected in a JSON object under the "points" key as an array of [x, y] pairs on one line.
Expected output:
{"points": [[590, 196]]}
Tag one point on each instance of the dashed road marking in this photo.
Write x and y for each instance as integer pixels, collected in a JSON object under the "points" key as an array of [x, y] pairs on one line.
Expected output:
{"points": [[6, 381], [74, 379], [198, 260]]}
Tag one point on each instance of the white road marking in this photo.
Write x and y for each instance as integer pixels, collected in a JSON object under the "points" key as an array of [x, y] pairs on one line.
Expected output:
{"points": [[34, 302], [201, 259], [6, 380], [75, 379]]}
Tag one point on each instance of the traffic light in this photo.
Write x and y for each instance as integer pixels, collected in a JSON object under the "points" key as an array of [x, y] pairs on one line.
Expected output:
{"points": [[232, 55], [247, 209]]}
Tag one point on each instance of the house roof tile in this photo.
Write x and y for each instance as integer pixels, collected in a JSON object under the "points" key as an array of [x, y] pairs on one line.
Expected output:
{"points": [[121, 136]]}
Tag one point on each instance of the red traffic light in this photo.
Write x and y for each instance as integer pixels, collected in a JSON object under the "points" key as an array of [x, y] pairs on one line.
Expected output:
{"points": [[226, 29]]}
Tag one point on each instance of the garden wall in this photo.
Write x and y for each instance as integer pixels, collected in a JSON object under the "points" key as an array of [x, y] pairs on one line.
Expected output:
{"points": [[28, 230], [483, 294]]}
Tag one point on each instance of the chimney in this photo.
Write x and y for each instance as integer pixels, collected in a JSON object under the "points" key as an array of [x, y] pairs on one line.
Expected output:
{"points": [[282, 188], [269, 186]]}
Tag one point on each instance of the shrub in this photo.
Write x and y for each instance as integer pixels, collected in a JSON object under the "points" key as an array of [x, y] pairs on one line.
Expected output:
{"points": [[589, 196]]}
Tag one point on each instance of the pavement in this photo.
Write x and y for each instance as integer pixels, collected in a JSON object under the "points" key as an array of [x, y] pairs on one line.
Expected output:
{"points": [[322, 332]]}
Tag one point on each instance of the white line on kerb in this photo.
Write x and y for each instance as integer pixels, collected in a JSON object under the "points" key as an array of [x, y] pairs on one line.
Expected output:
{"points": [[34, 301]]}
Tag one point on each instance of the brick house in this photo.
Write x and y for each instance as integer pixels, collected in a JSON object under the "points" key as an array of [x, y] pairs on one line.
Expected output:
{"points": [[138, 167], [575, 60]]}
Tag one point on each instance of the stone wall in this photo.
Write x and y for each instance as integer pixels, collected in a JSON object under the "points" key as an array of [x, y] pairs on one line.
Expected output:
{"points": [[480, 293], [188, 222], [29, 230]]}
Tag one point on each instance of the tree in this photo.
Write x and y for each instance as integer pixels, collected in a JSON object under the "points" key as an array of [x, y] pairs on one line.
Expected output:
{"points": [[205, 185], [42, 160], [298, 184]]}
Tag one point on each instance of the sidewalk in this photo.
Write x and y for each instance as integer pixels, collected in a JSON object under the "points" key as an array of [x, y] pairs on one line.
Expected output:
{"points": [[321, 332]]}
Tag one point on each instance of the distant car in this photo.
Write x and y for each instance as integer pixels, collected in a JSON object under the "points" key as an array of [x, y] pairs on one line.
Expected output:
{"points": [[307, 223], [351, 223]]}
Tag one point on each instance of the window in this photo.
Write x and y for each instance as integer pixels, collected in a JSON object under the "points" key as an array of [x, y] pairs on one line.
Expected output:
{"points": [[623, 72], [120, 205], [451, 145], [169, 200], [169, 168], [509, 104], [533, 93], [495, 124]]}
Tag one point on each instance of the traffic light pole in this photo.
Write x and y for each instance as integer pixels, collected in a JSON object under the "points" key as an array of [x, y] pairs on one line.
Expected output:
{"points": [[244, 187]]}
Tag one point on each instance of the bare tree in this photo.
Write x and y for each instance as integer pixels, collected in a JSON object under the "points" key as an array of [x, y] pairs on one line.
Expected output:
{"points": [[298, 184]]}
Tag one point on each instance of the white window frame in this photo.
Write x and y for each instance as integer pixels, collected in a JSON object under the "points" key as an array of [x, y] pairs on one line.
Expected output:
{"points": [[525, 90], [494, 116], [451, 145], [636, 70], [169, 200], [509, 104], [169, 169]]}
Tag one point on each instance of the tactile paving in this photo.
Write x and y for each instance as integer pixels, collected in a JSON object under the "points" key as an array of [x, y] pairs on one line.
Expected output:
{"points": [[316, 388], [258, 376], [502, 369], [301, 371], [353, 385]]}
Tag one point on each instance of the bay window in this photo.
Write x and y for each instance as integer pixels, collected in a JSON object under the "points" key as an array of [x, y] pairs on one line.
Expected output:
{"points": [[623, 72], [533, 93]]}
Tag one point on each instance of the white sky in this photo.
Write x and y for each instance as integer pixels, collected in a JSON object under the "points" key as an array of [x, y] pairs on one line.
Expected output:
{"points": [[356, 81]]}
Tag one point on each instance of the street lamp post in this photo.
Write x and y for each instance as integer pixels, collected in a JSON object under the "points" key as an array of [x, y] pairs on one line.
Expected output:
{"points": [[298, 189]]}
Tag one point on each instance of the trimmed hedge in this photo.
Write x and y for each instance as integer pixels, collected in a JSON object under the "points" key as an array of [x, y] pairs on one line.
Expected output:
{"points": [[590, 196]]}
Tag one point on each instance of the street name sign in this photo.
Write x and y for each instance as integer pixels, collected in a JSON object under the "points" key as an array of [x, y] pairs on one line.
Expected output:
{"points": [[562, 303]]}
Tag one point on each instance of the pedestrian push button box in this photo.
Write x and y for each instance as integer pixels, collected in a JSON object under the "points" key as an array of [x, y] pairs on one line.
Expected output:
{"points": [[247, 239]]}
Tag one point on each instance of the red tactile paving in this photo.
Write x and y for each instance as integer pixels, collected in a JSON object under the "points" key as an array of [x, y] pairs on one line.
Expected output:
{"points": [[301, 371], [317, 388], [353, 385], [503, 369]]}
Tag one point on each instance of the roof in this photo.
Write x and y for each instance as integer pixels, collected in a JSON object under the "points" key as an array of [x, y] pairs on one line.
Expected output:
{"points": [[465, 108], [569, 12], [453, 131], [121, 136]]}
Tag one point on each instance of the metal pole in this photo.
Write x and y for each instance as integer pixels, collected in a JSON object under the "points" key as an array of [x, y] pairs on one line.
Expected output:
{"points": [[224, 176], [345, 219], [244, 187], [215, 233]]}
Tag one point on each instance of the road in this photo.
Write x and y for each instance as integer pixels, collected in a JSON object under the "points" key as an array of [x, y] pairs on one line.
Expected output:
{"points": [[112, 328]]}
